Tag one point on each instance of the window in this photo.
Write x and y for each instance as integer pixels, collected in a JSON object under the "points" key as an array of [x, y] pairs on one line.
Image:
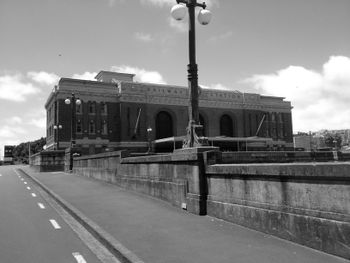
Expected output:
{"points": [[79, 108], [104, 128], [92, 127], [280, 118], [128, 120], [103, 108], [79, 126], [92, 107], [273, 117]]}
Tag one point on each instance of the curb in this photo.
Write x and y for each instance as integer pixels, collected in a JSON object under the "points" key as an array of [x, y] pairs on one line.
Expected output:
{"points": [[114, 246]]}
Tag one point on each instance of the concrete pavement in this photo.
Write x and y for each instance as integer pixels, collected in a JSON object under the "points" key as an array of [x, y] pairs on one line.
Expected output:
{"points": [[145, 229]]}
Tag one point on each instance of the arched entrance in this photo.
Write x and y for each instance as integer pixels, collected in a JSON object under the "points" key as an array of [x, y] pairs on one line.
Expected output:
{"points": [[226, 126], [164, 125]]}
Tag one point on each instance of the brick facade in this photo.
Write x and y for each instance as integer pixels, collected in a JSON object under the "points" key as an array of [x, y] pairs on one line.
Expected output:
{"points": [[116, 112]]}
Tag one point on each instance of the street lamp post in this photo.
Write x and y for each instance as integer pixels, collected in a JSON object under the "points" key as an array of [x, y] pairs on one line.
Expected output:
{"points": [[178, 12], [56, 129], [149, 130], [73, 101]]}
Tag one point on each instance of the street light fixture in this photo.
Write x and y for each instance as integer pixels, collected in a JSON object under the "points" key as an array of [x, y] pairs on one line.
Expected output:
{"points": [[73, 101], [178, 12], [56, 130], [149, 130]]}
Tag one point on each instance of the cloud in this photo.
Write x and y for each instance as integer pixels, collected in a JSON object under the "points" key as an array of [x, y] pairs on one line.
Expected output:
{"points": [[15, 120], [39, 123], [143, 37], [180, 26], [11, 132], [112, 2], [141, 75], [43, 77], [320, 99], [159, 3], [86, 76], [217, 86], [16, 88], [221, 37]]}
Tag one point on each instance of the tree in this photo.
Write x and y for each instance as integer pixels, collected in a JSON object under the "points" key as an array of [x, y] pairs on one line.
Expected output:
{"points": [[21, 151], [333, 140]]}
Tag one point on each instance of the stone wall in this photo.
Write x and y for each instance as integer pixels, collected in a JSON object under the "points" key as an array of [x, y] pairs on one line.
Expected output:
{"points": [[307, 203], [159, 176], [48, 161], [282, 156]]}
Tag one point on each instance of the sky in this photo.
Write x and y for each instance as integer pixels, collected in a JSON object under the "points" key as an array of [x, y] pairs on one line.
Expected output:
{"points": [[294, 49]]}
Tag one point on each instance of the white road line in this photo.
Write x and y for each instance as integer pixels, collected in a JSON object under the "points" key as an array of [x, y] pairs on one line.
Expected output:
{"points": [[0, 175], [28, 187], [55, 224], [22, 179], [25, 182], [41, 205], [33, 194], [79, 258]]}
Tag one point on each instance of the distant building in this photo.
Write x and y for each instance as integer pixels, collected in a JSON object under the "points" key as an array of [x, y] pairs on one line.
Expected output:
{"points": [[116, 112], [304, 141], [344, 134], [8, 154]]}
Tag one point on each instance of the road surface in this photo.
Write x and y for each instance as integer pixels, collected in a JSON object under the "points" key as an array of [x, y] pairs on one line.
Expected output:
{"points": [[31, 230]]}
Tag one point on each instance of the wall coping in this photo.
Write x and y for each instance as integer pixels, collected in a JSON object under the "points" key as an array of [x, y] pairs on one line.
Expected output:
{"points": [[180, 155], [171, 157], [320, 169], [121, 154]]}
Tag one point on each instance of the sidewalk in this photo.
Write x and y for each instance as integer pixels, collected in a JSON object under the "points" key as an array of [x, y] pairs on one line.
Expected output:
{"points": [[160, 233]]}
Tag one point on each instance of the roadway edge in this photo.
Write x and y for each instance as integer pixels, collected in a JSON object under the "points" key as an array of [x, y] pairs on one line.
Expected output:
{"points": [[107, 240]]}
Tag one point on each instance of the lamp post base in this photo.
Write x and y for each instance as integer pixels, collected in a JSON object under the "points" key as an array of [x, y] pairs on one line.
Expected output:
{"points": [[192, 139]]}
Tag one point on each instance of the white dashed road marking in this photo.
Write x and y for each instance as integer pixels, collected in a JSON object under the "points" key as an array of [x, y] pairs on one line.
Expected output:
{"points": [[55, 224], [41, 205], [28, 187], [79, 258], [25, 182], [33, 194]]}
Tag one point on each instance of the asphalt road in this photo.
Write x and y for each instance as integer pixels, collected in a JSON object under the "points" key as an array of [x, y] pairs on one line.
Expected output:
{"points": [[31, 230]]}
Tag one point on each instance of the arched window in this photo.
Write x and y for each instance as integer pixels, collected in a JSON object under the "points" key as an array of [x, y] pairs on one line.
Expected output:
{"points": [[226, 126], [164, 125], [104, 127], [92, 127]]}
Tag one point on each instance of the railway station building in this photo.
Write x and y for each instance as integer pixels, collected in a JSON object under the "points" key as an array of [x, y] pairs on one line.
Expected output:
{"points": [[119, 113]]}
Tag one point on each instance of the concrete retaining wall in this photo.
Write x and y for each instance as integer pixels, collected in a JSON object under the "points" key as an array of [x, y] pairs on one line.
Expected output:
{"points": [[307, 203], [152, 175], [283, 157], [48, 161]]}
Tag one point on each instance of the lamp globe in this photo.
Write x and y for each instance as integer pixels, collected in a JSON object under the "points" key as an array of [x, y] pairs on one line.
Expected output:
{"points": [[204, 16], [178, 12]]}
